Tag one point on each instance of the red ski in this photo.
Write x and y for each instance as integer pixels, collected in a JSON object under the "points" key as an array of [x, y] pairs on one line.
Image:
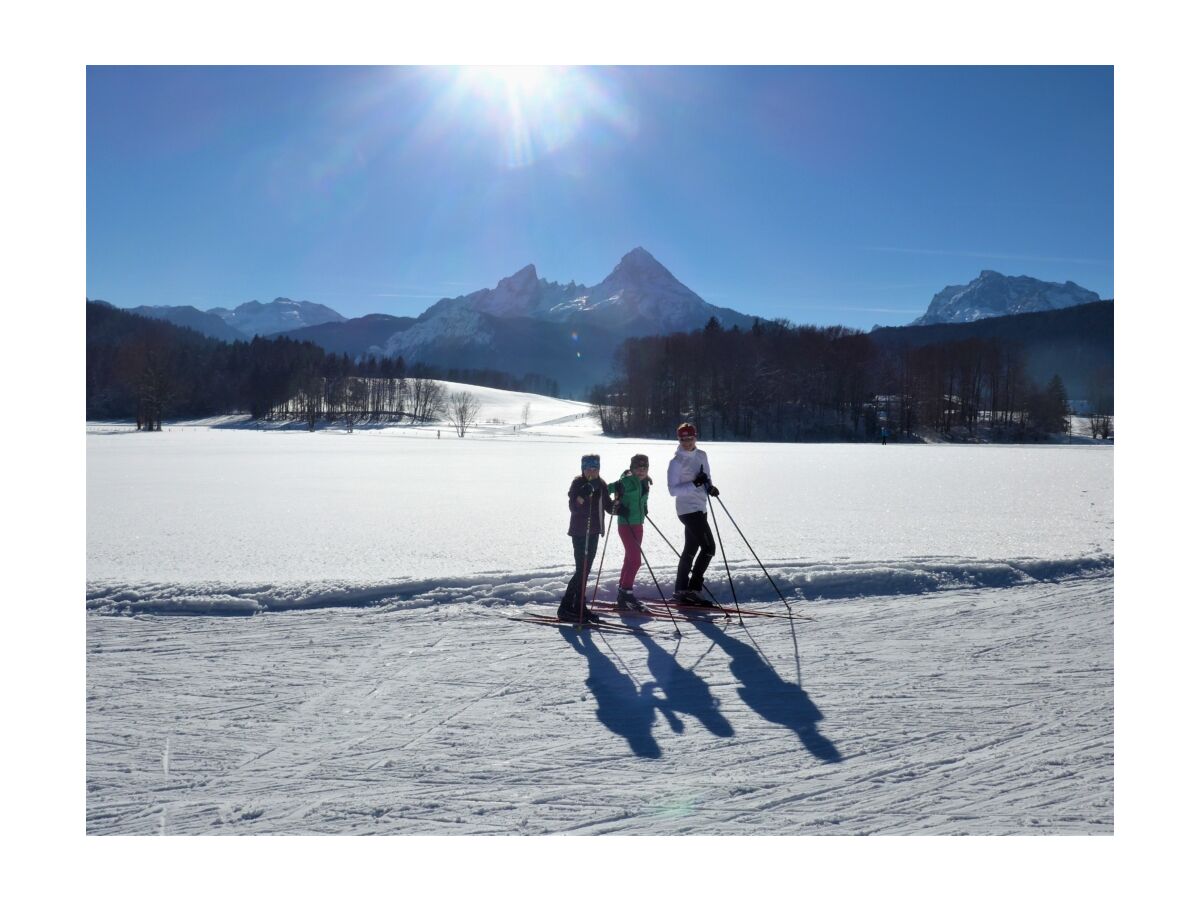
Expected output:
{"points": [[602, 625], [721, 610]]}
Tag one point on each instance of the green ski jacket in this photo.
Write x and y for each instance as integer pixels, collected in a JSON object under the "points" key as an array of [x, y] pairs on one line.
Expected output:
{"points": [[635, 494]]}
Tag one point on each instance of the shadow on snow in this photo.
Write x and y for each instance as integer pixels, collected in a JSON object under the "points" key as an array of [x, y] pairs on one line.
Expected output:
{"points": [[770, 696], [621, 706], [629, 710]]}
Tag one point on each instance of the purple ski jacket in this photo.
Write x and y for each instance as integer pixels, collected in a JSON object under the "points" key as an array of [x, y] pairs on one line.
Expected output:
{"points": [[599, 500]]}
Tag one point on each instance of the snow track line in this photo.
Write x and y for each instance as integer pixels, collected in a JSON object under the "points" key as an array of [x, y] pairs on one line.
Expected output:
{"points": [[484, 696]]}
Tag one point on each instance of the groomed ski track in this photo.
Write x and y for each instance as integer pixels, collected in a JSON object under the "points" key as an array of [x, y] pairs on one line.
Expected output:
{"points": [[985, 710]]}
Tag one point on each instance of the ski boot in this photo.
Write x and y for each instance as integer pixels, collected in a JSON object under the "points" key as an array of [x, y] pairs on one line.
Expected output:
{"points": [[569, 612], [627, 602], [693, 598]]}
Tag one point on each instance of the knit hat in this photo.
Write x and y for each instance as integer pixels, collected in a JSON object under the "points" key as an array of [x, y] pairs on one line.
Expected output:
{"points": [[589, 461], [638, 459], [687, 429]]}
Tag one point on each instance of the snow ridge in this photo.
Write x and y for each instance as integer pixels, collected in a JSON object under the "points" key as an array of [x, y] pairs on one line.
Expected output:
{"points": [[798, 581]]}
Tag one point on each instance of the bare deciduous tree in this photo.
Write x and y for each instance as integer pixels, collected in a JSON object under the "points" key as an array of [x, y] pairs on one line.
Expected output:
{"points": [[428, 399], [464, 409]]}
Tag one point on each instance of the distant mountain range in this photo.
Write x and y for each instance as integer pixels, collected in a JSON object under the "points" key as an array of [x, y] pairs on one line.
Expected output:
{"points": [[524, 324], [277, 317], [993, 294], [190, 317], [569, 332], [565, 331]]}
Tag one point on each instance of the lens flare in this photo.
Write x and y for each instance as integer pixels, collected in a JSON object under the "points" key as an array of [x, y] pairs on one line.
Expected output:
{"points": [[537, 110]]}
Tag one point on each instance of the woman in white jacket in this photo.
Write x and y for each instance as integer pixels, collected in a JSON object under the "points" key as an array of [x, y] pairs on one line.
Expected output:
{"points": [[689, 481]]}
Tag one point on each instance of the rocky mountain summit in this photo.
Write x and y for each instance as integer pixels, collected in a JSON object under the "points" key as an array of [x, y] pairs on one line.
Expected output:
{"points": [[993, 294]]}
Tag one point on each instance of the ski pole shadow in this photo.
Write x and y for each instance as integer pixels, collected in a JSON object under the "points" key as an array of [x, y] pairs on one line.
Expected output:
{"points": [[621, 706], [770, 696], [683, 691]]}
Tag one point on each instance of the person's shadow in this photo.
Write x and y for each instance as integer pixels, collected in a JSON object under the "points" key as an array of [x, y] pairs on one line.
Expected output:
{"points": [[621, 706], [683, 691], [770, 696]]}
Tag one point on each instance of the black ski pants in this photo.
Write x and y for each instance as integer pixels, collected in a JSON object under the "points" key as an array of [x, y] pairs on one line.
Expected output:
{"points": [[577, 542], [696, 536]]}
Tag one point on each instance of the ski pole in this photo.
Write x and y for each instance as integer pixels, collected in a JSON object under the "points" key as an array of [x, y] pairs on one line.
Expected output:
{"points": [[791, 621], [582, 586], [667, 605], [756, 559], [600, 567], [732, 590], [678, 554]]}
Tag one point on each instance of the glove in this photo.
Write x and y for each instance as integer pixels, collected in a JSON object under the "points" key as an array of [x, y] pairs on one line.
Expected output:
{"points": [[587, 489], [620, 508], [712, 490], [701, 479]]}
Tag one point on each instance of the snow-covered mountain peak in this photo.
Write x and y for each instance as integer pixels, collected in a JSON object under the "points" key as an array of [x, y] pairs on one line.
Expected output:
{"points": [[523, 315], [280, 315], [520, 294], [994, 294], [643, 274]]}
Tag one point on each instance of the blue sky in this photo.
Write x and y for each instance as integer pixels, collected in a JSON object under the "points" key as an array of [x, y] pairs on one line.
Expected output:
{"points": [[823, 195]]}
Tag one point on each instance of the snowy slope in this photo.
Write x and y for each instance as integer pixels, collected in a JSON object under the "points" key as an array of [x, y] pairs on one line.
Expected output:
{"points": [[343, 656]]}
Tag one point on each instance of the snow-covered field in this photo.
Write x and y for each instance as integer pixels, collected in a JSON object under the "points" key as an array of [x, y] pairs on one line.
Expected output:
{"points": [[297, 633]]}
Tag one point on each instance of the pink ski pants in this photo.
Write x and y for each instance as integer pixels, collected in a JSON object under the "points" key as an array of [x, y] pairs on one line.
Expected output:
{"points": [[631, 537]]}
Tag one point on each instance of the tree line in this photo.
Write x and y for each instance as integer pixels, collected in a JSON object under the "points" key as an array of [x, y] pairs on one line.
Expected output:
{"points": [[774, 382], [147, 369], [782, 382]]}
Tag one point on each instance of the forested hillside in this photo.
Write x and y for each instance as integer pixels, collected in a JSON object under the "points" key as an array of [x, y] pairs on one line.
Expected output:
{"points": [[777, 381]]}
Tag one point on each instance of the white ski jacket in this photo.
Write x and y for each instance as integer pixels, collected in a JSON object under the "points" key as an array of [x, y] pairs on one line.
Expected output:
{"points": [[683, 467]]}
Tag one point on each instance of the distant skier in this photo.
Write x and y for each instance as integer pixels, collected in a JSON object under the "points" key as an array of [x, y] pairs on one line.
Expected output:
{"points": [[689, 482], [588, 501], [632, 493], [884, 433]]}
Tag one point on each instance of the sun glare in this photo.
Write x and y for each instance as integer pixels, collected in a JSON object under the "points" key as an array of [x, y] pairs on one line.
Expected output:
{"points": [[525, 79], [534, 111]]}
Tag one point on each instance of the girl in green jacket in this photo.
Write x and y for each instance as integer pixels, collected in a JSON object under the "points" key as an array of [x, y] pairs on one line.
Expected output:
{"points": [[631, 493]]}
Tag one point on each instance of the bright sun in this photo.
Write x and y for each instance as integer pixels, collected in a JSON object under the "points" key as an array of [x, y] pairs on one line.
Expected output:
{"points": [[526, 79], [534, 111]]}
